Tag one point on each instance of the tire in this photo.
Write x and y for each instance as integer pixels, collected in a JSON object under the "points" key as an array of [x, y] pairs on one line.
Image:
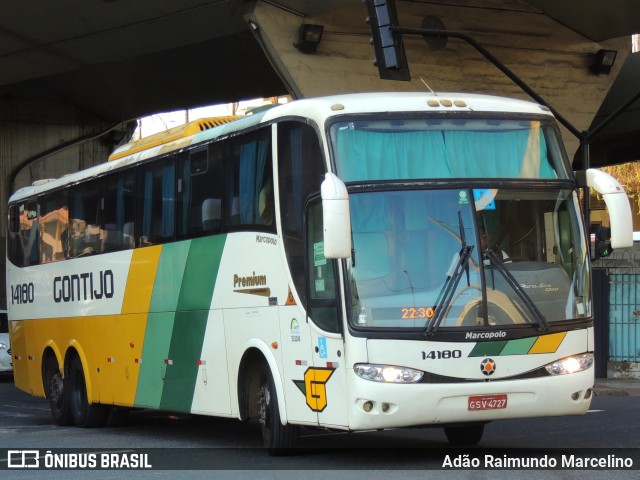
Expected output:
{"points": [[468, 435], [278, 439], [57, 392], [84, 415]]}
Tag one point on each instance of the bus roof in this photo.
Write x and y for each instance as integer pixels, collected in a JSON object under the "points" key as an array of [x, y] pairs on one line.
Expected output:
{"points": [[316, 109], [322, 108]]}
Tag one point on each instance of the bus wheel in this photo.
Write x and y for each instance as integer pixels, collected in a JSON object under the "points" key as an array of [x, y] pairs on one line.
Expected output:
{"points": [[278, 439], [84, 415], [56, 393], [468, 435]]}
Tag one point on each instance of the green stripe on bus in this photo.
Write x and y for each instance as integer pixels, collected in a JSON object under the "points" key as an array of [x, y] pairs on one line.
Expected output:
{"points": [[181, 374], [484, 349], [194, 303], [519, 347], [201, 273], [157, 338], [157, 341], [169, 277]]}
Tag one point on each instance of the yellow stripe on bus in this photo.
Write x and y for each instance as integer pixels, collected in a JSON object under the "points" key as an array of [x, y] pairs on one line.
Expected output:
{"points": [[122, 337], [142, 273], [548, 343], [116, 351]]}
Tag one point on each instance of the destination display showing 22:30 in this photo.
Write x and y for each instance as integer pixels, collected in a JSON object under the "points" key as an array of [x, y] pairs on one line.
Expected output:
{"points": [[412, 313]]}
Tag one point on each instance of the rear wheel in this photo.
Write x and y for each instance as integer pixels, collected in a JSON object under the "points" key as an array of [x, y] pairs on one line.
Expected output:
{"points": [[467, 435], [278, 439], [84, 414], [57, 393]]}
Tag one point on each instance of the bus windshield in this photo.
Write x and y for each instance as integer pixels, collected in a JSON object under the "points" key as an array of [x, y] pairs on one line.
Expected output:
{"points": [[390, 149], [432, 259]]}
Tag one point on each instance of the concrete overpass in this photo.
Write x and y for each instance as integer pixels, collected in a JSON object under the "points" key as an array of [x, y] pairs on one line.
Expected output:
{"points": [[75, 73]]}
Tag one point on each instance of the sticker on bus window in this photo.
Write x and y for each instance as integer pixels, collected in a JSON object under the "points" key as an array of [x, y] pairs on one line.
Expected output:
{"points": [[463, 197], [485, 198], [318, 254]]}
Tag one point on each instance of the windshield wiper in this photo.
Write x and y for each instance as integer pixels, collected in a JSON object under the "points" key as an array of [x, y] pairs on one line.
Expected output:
{"points": [[448, 289], [513, 283], [451, 283]]}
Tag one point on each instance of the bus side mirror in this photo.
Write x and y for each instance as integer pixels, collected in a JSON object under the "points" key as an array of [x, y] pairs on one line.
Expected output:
{"points": [[615, 197], [336, 217]]}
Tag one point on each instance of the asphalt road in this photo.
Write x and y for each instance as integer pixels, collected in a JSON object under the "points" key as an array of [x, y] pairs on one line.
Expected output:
{"points": [[185, 446]]}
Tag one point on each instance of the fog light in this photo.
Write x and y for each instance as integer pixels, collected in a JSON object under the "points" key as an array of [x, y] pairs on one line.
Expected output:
{"points": [[367, 406], [385, 407], [575, 396]]}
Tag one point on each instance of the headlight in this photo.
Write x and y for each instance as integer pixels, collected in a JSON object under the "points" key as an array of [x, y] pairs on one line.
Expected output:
{"points": [[387, 373], [572, 364], [3, 346]]}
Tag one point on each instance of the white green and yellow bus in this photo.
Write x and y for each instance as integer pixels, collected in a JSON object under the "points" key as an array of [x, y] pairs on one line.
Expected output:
{"points": [[364, 261]]}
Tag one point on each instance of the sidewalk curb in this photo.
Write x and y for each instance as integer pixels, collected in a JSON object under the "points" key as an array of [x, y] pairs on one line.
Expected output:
{"points": [[609, 392], [616, 388]]}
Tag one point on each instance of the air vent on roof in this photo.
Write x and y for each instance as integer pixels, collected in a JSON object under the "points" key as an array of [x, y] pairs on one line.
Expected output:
{"points": [[171, 135]]}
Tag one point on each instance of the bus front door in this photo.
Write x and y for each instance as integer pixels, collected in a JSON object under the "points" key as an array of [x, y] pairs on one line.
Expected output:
{"points": [[326, 381]]}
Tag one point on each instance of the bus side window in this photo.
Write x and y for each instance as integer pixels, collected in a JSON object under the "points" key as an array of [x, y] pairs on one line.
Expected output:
{"points": [[84, 219], [200, 192], [117, 218], [24, 234], [156, 185], [54, 223], [248, 199], [14, 246], [323, 301]]}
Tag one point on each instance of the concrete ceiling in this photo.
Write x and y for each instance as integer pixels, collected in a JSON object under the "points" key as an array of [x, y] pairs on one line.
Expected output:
{"points": [[119, 59], [596, 20]]}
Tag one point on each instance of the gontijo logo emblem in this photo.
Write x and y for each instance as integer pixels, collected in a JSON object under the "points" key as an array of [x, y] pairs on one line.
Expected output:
{"points": [[314, 387]]}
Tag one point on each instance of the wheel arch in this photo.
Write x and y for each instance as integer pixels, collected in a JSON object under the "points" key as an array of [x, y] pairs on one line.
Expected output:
{"points": [[50, 350], [75, 349], [256, 357]]}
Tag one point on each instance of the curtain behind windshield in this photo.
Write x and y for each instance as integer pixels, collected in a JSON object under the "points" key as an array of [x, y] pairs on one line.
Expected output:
{"points": [[388, 154]]}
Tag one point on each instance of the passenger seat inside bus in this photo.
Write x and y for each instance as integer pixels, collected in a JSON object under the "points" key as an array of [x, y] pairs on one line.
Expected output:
{"points": [[110, 237], [211, 214], [113, 239], [128, 235]]}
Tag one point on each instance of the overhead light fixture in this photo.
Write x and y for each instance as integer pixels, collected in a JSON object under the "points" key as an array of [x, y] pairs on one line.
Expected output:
{"points": [[309, 37], [603, 61]]}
